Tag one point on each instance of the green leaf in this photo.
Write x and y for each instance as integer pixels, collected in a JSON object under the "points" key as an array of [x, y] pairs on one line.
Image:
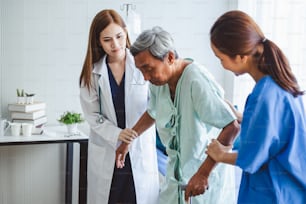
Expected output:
{"points": [[70, 118]]}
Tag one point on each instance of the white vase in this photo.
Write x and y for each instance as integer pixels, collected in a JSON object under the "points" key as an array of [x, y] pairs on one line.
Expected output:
{"points": [[30, 99], [72, 128], [21, 100]]}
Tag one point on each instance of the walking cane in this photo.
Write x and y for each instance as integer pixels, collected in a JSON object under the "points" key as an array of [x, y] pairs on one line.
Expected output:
{"points": [[183, 188]]}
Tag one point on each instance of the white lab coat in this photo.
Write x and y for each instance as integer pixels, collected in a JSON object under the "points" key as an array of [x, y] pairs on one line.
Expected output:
{"points": [[103, 139]]}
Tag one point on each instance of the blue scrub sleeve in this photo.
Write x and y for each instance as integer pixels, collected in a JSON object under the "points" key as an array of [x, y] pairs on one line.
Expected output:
{"points": [[259, 131]]}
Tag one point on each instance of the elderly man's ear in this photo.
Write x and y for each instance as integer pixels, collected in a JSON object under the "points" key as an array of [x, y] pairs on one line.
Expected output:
{"points": [[170, 57]]}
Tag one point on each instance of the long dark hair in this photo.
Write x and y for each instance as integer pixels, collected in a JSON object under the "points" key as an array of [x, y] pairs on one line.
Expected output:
{"points": [[236, 33], [94, 50]]}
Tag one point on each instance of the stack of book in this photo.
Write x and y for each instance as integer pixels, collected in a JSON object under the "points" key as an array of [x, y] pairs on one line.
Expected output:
{"points": [[29, 113]]}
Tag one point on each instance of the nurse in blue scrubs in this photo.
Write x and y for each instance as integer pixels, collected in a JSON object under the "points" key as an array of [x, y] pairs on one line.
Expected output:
{"points": [[273, 128]]}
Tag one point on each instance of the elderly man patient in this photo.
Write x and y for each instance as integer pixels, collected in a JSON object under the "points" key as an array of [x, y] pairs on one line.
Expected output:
{"points": [[189, 110]]}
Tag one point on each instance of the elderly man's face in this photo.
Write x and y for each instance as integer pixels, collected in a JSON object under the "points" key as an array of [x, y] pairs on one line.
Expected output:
{"points": [[153, 69]]}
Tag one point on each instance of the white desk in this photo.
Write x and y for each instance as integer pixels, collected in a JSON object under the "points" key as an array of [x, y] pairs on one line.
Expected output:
{"points": [[58, 134]]}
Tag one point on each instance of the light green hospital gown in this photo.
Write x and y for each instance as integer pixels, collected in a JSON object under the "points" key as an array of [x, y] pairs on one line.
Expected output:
{"points": [[185, 126]]}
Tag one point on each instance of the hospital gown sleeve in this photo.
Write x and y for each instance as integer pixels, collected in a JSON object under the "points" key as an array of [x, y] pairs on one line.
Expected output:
{"points": [[209, 104], [152, 101]]}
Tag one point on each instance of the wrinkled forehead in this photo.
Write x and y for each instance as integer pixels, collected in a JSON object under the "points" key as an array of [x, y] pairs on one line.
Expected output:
{"points": [[144, 59]]}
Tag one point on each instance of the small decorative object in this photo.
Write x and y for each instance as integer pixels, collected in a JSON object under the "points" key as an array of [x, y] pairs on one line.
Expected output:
{"points": [[20, 96], [30, 98], [71, 120]]}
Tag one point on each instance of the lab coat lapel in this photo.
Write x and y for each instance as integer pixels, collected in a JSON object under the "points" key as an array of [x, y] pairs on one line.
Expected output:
{"points": [[130, 75], [128, 96], [106, 95]]}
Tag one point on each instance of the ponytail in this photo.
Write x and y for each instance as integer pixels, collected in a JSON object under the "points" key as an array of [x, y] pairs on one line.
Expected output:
{"points": [[274, 63]]}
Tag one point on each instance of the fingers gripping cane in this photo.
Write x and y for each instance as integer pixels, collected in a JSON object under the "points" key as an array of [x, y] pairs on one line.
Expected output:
{"points": [[183, 188]]}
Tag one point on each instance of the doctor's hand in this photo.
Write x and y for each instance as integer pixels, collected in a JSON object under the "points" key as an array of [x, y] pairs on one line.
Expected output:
{"points": [[127, 135], [197, 185], [216, 150], [121, 152]]}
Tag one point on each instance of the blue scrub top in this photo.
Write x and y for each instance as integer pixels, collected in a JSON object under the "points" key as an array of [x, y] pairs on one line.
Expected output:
{"points": [[272, 151]]}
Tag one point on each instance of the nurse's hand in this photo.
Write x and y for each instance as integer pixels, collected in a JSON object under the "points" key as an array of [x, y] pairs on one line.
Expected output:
{"points": [[121, 152], [217, 151], [127, 135], [197, 185]]}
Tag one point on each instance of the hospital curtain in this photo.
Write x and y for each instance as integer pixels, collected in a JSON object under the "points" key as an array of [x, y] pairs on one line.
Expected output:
{"points": [[283, 22]]}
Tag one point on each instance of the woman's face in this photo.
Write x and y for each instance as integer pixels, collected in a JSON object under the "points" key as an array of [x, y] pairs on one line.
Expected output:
{"points": [[113, 40], [154, 70], [235, 64]]}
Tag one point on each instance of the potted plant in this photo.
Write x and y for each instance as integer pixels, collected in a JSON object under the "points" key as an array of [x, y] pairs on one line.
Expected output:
{"points": [[20, 96], [30, 98], [71, 120]]}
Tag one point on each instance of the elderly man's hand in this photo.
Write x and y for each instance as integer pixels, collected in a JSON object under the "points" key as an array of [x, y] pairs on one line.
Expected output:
{"points": [[121, 152], [197, 185]]}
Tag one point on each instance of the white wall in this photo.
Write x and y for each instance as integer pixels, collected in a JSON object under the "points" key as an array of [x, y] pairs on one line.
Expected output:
{"points": [[43, 43]]}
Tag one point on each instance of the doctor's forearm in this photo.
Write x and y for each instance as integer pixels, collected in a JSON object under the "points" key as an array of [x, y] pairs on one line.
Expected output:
{"points": [[144, 122]]}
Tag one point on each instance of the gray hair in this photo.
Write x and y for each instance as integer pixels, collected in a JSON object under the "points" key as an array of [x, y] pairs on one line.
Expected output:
{"points": [[158, 41]]}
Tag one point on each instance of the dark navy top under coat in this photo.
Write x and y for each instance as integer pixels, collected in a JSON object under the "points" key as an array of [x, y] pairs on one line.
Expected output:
{"points": [[118, 98]]}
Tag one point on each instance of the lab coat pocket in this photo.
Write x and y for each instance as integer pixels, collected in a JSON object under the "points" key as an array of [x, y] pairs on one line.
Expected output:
{"points": [[96, 154]]}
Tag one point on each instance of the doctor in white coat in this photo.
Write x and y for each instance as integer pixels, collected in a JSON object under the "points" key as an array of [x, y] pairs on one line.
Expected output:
{"points": [[108, 54]]}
